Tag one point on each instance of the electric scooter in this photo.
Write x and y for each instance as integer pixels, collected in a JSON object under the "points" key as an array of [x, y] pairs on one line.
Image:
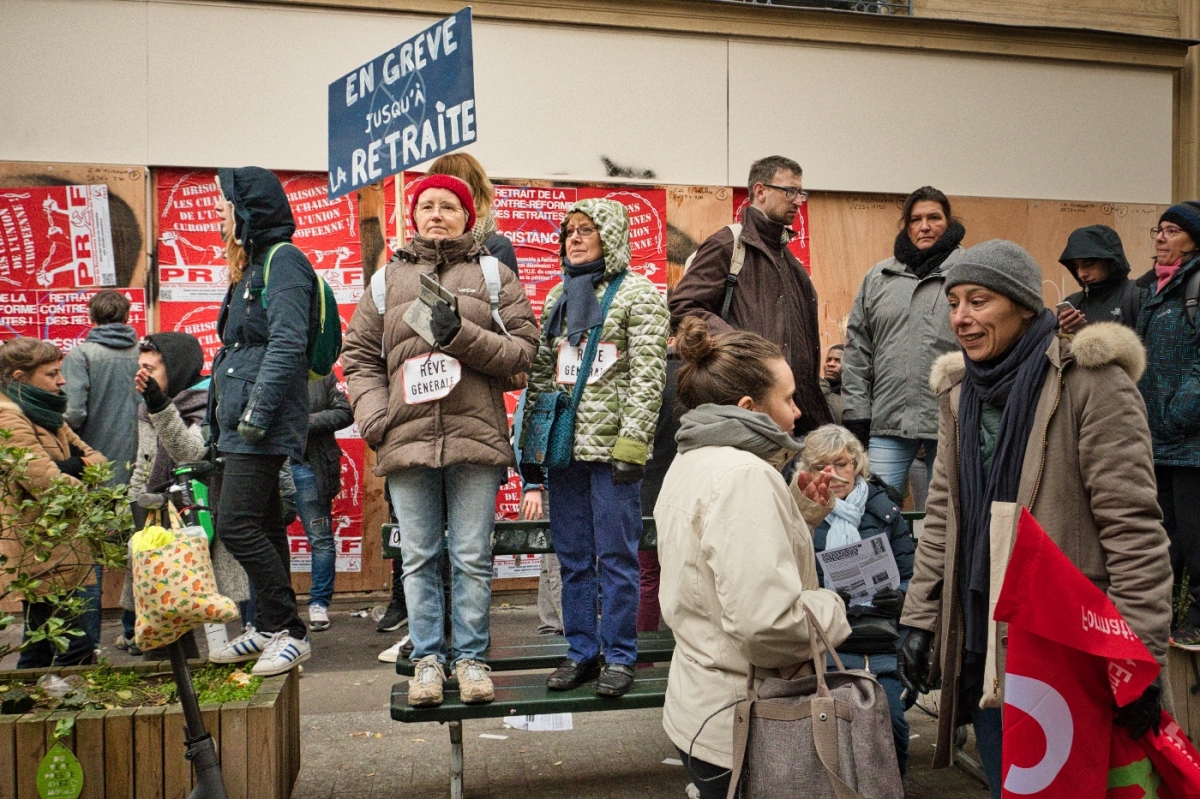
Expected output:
{"points": [[189, 495]]}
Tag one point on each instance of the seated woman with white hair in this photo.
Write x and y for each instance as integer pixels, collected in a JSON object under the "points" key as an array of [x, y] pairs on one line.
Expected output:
{"points": [[864, 508]]}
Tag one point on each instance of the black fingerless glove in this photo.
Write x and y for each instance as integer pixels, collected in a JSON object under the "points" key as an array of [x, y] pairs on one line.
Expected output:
{"points": [[444, 323], [625, 474], [156, 400]]}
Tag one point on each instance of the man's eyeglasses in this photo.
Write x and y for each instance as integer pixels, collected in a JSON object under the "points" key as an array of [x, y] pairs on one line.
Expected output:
{"points": [[791, 192], [1170, 231], [583, 230]]}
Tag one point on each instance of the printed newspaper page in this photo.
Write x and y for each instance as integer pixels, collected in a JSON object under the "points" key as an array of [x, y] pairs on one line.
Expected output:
{"points": [[860, 569]]}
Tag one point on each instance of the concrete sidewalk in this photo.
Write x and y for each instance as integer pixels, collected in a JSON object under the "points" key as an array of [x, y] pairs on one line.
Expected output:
{"points": [[353, 750]]}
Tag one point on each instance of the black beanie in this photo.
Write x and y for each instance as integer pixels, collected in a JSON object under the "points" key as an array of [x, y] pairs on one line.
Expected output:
{"points": [[1187, 216], [182, 356]]}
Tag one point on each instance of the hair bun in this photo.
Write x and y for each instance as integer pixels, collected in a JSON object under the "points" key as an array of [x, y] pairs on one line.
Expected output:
{"points": [[693, 341]]}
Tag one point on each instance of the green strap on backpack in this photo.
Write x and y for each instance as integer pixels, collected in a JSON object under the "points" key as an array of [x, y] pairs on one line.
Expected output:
{"points": [[324, 324]]}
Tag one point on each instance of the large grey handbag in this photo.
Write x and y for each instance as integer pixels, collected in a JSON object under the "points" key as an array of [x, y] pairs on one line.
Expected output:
{"points": [[824, 736]]}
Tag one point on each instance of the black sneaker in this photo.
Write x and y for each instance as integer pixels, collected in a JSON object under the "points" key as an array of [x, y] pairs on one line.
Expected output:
{"points": [[394, 619], [615, 681], [572, 674]]}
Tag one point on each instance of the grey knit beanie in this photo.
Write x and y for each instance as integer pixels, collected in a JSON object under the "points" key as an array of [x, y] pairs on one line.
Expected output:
{"points": [[1001, 266]]}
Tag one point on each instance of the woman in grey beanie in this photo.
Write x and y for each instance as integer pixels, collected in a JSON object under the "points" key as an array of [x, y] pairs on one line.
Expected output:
{"points": [[1055, 424]]}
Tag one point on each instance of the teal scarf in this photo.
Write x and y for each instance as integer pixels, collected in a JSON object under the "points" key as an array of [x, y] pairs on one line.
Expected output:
{"points": [[44, 408]]}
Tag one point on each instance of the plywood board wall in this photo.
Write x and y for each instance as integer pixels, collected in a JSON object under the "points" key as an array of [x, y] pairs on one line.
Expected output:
{"points": [[127, 186]]}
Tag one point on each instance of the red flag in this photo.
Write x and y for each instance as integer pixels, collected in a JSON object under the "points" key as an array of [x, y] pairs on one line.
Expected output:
{"points": [[1070, 654]]}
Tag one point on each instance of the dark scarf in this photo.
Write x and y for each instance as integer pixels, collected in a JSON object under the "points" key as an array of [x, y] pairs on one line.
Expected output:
{"points": [[1011, 383], [578, 302], [44, 408], [923, 262]]}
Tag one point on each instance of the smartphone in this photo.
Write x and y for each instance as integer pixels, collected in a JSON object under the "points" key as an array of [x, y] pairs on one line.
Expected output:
{"points": [[1062, 306], [431, 291]]}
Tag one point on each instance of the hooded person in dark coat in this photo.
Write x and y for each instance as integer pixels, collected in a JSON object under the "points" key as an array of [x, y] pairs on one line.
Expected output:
{"points": [[1096, 259], [259, 405]]}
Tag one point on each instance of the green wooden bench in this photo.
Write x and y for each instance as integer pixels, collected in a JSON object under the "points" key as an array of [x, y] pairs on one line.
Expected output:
{"points": [[527, 694]]}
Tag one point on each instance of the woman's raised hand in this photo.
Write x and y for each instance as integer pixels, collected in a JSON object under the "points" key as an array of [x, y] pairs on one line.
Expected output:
{"points": [[814, 486]]}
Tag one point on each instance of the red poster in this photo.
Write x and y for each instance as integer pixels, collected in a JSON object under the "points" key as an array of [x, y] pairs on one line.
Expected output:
{"points": [[191, 256], [508, 500], [801, 244], [647, 229], [56, 237], [59, 316], [195, 318], [347, 516]]}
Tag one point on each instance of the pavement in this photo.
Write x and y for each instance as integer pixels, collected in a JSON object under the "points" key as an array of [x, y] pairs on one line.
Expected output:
{"points": [[351, 749]]}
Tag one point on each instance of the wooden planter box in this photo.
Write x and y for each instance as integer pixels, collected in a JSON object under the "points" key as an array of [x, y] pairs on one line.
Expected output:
{"points": [[137, 753]]}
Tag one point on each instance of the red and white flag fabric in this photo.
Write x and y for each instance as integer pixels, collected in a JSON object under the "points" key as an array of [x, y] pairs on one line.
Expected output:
{"points": [[1070, 655]]}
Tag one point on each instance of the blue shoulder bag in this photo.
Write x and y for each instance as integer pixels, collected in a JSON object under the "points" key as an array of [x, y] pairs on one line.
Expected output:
{"points": [[550, 432]]}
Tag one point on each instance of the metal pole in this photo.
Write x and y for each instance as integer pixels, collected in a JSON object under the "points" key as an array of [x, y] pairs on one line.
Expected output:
{"points": [[456, 760]]}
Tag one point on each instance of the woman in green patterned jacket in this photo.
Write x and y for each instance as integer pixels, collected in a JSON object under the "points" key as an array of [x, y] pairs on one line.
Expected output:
{"points": [[596, 515]]}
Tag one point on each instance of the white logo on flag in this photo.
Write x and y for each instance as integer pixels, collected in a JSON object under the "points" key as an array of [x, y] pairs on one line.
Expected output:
{"points": [[1047, 707]]}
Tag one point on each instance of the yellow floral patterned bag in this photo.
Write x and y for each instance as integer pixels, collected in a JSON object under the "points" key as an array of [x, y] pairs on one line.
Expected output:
{"points": [[174, 588]]}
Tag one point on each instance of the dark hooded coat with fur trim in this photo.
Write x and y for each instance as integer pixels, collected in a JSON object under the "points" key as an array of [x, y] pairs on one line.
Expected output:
{"points": [[1088, 478]]}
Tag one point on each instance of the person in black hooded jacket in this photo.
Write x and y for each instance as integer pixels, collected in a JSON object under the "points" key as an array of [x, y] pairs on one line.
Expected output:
{"points": [[1096, 259], [258, 405]]}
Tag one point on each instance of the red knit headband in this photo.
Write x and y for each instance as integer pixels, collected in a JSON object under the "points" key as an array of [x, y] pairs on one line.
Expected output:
{"points": [[460, 189]]}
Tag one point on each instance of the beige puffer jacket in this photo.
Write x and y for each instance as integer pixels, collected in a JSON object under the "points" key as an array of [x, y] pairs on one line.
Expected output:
{"points": [[738, 572], [470, 425]]}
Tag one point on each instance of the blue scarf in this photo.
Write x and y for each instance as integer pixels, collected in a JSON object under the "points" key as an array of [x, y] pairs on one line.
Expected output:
{"points": [[578, 302]]}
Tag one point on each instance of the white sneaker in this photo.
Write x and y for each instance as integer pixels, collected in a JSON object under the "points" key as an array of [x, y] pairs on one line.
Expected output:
{"points": [[318, 618], [282, 653], [246, 646], [392, 653]]}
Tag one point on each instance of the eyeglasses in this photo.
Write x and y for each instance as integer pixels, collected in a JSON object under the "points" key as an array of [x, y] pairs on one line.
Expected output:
{"points": [[445, 209], [837, 465], [583, 230], [1170, 231], [146, 345], [791, 192]]}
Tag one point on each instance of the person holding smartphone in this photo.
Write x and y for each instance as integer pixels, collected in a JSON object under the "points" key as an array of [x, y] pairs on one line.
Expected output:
{"points": [[1095, 258]]}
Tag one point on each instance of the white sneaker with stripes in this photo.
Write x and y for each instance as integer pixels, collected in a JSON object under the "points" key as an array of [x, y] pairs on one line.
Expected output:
{"points": [[282, 653], [246, 646]]}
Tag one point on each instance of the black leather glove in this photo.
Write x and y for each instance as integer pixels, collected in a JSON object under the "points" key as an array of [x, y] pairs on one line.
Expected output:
{"points": [[156, 400], [845, 595], [625, 474], [533, 474], [912, 661], [889, 601], [1142, 714], [444, 323], [72, 466], [287, 511], [861, 428], [250, 433]]}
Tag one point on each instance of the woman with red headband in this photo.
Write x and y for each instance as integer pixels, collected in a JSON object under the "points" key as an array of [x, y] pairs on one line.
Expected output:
{"points": [[427, 378]]}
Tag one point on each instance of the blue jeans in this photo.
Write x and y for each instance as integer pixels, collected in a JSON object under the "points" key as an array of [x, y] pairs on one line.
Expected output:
{"points": [[596, 526], [42, 654], [458, 502], [90, 621], [316, 515], [884, 669], [891, 457]]}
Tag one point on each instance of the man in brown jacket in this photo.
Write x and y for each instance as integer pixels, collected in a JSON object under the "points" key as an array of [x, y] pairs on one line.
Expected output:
{"points": [[774, 296]]}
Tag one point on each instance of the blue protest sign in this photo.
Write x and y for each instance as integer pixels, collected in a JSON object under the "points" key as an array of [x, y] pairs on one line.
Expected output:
{"points": [[409, 105]]}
